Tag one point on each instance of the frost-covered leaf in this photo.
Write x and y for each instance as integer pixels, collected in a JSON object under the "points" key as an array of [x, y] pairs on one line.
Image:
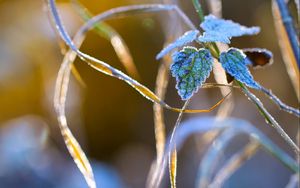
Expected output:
{"points": [[214, 36], [219, 30], [187, 37], [258, 57], [191, 67], [234, 61]]}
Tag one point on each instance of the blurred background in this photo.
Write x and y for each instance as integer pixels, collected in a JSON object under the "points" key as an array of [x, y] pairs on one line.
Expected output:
{"points": [[112, 122]]}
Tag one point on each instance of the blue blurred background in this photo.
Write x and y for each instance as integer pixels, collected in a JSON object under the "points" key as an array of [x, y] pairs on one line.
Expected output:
{"points": [[112, 122]]}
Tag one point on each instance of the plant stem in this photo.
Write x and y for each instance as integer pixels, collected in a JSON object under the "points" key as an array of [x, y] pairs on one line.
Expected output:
{"points": [[268, 117], [198, 8]]}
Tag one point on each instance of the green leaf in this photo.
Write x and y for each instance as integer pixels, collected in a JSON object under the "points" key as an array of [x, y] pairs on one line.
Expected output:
{"points": [[191, 67], [234, 61]]}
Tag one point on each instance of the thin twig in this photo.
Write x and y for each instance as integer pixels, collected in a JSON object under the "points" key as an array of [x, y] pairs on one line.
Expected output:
{"points": [[279, 103]]}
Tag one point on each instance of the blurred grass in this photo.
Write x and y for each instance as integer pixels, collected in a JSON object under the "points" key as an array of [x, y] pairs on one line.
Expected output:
{"points": [[27, 90]]}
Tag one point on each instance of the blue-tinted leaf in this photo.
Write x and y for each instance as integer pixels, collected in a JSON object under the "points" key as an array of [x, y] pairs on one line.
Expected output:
{"points": [[187, 37], [191, 67], [219, 30], [234, 61], [213, 36], [258, 57]]}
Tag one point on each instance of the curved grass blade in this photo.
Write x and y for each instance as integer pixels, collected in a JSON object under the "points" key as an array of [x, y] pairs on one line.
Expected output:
{"points": [[212, 156], [64, 50], [78, 155], [288, 23], [204, 124], [286, 50], [173, 31], [64, 73], [186, 38], [173, 168], [104, 67], [73, 146], [162, 80], [110, 34], [234, 163], [173, 154]]}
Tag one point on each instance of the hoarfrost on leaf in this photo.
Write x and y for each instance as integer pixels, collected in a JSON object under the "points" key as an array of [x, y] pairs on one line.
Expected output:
{"points": [[191, 67], [234, 61], [220, 30], [186, 38]]}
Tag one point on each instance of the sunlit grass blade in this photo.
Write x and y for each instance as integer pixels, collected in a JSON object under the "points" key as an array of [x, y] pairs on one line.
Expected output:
{"points": [[173, 153], [162, 80], [73, 146], [109, 33], [77, 75], [64, 73], [204, 124], [286, 50], [234, 163], [64, 49], [288, 25], [173, 168], [78, 156], [172, 31], [104, 67]]}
